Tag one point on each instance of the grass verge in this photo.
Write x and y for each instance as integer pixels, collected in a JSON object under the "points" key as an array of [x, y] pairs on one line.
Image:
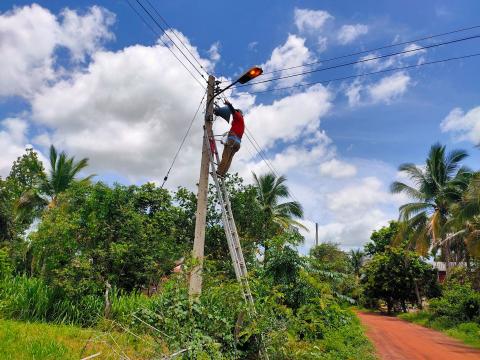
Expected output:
{"points": [[23, 340], [468, 332]]}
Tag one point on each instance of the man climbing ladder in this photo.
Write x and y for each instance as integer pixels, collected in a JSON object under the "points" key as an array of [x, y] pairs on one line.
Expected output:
{"points": [[233, 140]]}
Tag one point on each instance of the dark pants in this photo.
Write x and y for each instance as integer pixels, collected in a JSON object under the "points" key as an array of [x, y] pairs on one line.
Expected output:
{"points": [[230, 148]]}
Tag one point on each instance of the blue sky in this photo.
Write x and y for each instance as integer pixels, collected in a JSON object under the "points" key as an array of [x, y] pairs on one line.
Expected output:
{"points": [[91, 78]]}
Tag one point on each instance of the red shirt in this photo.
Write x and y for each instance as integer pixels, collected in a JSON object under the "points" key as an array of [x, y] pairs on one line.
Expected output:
{"points": [[238, 125]]}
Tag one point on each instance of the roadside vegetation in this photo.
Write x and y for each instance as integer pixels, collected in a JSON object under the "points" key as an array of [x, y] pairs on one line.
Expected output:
{"points": [[114, 260], [440, 224]]}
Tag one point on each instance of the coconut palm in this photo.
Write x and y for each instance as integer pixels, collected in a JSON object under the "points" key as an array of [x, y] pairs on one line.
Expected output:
{"points": [[465, 221], [436, 186], [279, 215], [63, 171], [356, 257]]}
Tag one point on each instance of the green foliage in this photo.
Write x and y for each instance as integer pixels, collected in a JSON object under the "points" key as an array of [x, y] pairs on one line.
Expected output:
{"points": [[395, 275], [459, 303], [381, 239], [467, 332], [127, 236]]}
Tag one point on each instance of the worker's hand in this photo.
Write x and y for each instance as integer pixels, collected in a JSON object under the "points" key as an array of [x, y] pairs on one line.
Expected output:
{"points": [[226, 101]]}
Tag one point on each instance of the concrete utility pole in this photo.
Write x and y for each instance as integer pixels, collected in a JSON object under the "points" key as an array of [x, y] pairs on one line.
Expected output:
{"points": [[195, 288], [316, 234]]}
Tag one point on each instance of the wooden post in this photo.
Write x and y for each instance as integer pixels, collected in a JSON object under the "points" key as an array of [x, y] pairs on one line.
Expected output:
{"points": [[195, 288]]}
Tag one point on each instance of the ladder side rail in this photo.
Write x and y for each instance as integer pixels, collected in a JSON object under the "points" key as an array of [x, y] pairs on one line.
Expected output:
{"points": [[226, 224]]}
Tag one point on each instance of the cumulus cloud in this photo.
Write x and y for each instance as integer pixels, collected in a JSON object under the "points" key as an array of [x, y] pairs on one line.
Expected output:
{"points": [[349, 33], [13, 140], [30, 36], [214, 52], [292, 53], [308, 20], [389, 88], [123, 121], [337, 169], [287, 118], [464, 126]]}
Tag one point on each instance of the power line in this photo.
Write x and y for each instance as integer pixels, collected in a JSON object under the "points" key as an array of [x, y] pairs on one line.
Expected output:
{"points": [[182, 142], [164, 43], [175, 33], [165, 32], [360, 61], [368, 74], [376, 49]]}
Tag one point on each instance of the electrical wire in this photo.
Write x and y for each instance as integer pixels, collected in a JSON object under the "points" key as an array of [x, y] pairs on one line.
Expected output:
{"points": [[376, 49], [361, 61], [164, 43], [166, 34], [182, 142], [175, 33], [368, 74]]}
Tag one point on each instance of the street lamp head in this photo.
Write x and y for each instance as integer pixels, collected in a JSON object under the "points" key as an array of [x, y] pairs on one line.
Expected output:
{"points": [[250, 74]]}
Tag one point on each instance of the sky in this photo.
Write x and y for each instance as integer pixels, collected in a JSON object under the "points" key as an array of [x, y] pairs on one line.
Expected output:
{"points": [[91, 78]]}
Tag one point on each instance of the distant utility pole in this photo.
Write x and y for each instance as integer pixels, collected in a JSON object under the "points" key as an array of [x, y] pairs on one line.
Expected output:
{"points": [[195, 288], [316, 234]]}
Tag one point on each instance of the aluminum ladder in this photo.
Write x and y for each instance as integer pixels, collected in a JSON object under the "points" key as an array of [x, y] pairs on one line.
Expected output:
{"points": [[231, 234]]}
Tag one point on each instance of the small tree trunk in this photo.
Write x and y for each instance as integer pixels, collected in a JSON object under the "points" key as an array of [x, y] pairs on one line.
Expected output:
{"points": [[417, 293], [108, 304]]}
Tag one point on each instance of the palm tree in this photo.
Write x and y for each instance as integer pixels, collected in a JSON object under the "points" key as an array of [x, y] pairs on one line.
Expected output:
{"points": [[436, 186], [465, 221], [62, 174], [356, 260], [277, 216]]}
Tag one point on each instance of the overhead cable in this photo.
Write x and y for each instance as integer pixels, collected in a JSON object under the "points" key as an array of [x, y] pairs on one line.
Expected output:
{"points": [[175, 34], [376, 49], [420, 48], [167, 35], [182, 142], [368, 74], [164, 43]]}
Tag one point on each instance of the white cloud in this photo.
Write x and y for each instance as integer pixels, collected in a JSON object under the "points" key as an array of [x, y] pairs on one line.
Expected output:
{"points": [[337, 169], [292, 53], [414, 50], [322, 43], [349, 33], [127, 112], [465, 126], [353, 93], [13, 140], [308, 20], [389, 88], [214, 52], [290, 116], [30, 36]]}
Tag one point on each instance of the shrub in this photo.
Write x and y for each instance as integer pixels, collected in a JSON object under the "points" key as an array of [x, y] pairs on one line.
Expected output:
{"points": [[458, 303]]}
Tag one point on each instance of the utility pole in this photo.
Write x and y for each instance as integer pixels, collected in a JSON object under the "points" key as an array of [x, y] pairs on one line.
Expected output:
{"points": [[316, 234], [195, 288]]}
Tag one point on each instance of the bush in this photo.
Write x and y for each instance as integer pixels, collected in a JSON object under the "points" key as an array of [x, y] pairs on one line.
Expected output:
{"points": [[458, 303]]}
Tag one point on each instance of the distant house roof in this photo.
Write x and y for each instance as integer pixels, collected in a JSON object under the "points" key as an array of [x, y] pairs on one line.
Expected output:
{"points": [[442, 266]]}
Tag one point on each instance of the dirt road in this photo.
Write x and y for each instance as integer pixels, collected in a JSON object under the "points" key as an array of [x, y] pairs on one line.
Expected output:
{"points": [[396, 339]]}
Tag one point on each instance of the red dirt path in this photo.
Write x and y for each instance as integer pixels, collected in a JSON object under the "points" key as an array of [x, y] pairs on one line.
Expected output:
{"points": [[396, 339]]}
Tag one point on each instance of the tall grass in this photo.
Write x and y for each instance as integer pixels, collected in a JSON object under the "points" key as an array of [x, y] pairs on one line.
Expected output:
{"points": [[31, 299]]}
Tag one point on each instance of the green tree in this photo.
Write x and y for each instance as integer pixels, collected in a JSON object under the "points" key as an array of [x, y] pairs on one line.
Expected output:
{"points": [[277, 216], [381, 239], [63, 172], [128, 236], [357, 258], [436, 186], [398, 276]]}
